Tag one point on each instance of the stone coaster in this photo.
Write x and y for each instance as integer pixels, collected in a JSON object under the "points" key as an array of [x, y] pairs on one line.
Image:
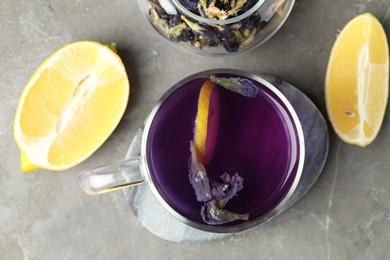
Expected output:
{"points": [[315, 131], [162, 224]]}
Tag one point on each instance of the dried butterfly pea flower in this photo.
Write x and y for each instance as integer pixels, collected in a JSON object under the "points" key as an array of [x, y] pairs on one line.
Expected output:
{"points": [[215, 12], [232, 37], [190, 5], [194, 26], [198, 177], [174, 20], [158, 16], [177, 30], [237, 7], [186, 36], [213, 215], [242, 86], [216, 195], [210, 34], [157, 8], [221, 9], [230, 186]]}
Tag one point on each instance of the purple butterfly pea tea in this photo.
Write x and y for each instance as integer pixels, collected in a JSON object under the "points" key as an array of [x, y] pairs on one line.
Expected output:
{"points": [[254, 140]]}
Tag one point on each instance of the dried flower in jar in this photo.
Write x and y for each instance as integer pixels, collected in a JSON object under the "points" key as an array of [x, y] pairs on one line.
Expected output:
{"points": [[231, 36]]}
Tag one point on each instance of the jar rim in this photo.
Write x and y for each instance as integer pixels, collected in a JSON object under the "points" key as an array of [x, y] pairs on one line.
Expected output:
{"points": [[201, 19]]}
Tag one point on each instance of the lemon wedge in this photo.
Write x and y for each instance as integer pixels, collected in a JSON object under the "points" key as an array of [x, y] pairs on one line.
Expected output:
{"points": [[70, 106], [357, 80]]}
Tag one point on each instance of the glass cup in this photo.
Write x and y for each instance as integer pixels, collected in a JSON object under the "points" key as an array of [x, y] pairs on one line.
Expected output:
{"points": [[213, 33], [260, 138]]}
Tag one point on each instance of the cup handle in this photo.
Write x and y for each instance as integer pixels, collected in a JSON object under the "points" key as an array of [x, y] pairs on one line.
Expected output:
{"points": [[112, 177]]}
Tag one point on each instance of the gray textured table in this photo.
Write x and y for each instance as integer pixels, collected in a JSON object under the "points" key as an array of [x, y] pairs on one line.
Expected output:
{"points": [[44, 215]]}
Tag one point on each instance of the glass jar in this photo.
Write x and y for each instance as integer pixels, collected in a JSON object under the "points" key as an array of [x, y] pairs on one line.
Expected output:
{"points": [[217, 27]]}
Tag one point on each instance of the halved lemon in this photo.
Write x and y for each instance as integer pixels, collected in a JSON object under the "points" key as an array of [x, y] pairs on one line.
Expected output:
{"points": [[70, 106], [357, 80]]}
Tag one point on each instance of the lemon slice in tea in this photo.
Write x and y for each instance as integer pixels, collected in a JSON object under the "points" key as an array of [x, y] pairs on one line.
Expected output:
{"points": [[70, 106], [207, 121], [357, 80]]}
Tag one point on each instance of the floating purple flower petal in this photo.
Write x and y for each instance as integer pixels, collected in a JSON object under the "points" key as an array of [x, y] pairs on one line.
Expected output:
{"points": [[198, 177], [223, 192], [242, 86], [213, 215]]}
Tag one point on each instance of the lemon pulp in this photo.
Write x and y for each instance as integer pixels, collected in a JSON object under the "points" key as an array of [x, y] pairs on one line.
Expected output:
{"points": [[70, 106], [357, 80]]}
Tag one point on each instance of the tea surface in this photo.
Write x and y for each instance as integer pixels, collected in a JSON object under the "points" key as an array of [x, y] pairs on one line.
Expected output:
{"points": [[253, 140]]}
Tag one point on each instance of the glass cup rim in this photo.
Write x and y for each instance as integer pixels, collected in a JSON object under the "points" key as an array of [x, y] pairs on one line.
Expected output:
{"points": [[209, 21], [247, 224]]}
